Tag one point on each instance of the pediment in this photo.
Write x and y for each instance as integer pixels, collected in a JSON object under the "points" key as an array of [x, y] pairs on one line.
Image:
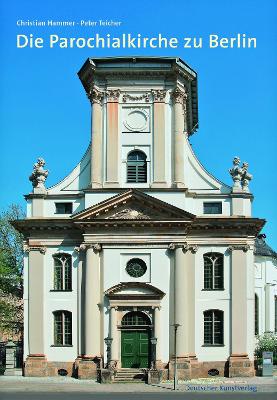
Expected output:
{"points": [[133, 205], [133, 290]]}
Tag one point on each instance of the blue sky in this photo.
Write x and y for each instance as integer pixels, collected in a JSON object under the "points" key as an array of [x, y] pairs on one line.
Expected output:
{"points": [[44, 110]]}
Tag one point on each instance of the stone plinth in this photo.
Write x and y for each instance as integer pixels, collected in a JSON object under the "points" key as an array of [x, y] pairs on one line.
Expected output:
{"points": [[106, 376], [240, 366], [154, 376], [187, 368], [87, 368], [35, 365]]}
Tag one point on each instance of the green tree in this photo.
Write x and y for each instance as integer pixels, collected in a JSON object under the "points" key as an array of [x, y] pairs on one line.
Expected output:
{"points": [[11, 269]]}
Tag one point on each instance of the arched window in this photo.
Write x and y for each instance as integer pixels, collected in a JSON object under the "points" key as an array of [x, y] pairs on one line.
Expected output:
{"points": [[135, 318], [62, 271], [213, 327], [136, 167], [213, 271], [256, 314], [62, 328]]}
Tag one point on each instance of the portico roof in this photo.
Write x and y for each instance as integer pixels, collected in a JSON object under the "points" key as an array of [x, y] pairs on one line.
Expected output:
{"points": [[133, 204]]}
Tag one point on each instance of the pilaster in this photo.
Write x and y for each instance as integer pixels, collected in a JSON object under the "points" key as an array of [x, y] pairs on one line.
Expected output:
{"points": [[187, 363], [242, 331], [157, 335], [36, 364], [179, 97], [92, 302], [96, 99], [114, 335], [159, 139], [112, 178]]}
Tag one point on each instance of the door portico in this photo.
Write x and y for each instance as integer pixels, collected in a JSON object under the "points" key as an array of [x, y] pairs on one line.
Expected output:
{"points": [[132, 323]]}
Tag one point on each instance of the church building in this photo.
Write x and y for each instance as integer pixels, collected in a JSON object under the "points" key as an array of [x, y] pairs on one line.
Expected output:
{"points": [[140, 257]]}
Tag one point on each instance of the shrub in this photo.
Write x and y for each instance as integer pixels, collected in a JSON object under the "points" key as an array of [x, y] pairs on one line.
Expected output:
{"points": [[266, 342]]}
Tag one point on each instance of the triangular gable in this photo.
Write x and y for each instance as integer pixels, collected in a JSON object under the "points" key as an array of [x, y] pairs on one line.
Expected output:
{"points": [[133, 205]]}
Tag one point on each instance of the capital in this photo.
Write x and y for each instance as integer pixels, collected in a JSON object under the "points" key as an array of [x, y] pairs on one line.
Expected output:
{"points": [[113, 95], [41, 249], [97, 247], [179, 96], [243, 247], [193, 248], [95, 95], [158, 95]]}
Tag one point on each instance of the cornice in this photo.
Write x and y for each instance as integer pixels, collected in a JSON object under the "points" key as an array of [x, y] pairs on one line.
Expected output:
{"points": [[237, 226], [54, 196]]}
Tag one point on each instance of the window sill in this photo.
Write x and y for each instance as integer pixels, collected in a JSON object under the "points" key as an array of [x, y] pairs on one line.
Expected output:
{"points": [[212, 290], [57, 290], [61, 345], [213, 345], [63, 213]]}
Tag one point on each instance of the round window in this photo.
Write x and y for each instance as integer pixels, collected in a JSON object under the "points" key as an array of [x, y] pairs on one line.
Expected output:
{"points": [[136, 267]]}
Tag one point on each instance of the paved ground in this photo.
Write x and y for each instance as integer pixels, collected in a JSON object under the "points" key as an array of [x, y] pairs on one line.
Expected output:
{"points": [[64, 388], [134, 396]]}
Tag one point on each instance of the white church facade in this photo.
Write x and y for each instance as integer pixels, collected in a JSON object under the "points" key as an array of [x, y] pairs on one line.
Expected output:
{"points": [[140, 245]]}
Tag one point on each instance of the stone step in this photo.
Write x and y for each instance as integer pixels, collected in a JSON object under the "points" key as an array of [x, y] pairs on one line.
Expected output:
{"points": [[129, 375]]}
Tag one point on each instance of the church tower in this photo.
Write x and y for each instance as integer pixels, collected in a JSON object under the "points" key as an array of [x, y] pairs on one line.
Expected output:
{"points": [[143, 110]]}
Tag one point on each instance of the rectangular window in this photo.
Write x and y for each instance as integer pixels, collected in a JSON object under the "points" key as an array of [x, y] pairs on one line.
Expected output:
{"points": [[212, 208], [58, 329], [63, 208], [62, 328], [213, 328]]}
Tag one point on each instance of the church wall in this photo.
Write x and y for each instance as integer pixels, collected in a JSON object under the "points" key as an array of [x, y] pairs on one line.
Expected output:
{"points": [[179, 199], [158, 262], [266, 289], [58, 300], [214, 299], [50, 208]]}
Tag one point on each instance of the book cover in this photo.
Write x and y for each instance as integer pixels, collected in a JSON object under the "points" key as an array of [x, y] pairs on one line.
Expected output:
{"points": [[179, 99]]}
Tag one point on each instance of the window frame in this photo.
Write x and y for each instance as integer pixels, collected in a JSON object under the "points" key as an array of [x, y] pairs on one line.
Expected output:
{"points": [[213, 313], [257, 325], [64, 203], [213, 275], [65, 274], [64, 336], [135, 164], [210, 203], [136, 261]]}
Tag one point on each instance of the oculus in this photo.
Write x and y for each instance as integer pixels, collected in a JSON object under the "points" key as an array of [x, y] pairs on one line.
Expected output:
{"points": [[136, 267]]}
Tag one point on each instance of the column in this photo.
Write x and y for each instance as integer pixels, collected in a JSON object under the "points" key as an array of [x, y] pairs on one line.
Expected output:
{"points": [[112, 178], [180, 128], [92, 302], [157, 333], [268, 313], [96, 98], [242, 311], [36, 364], [185, 301], [114, 333], [36, 301], [159, 139]]}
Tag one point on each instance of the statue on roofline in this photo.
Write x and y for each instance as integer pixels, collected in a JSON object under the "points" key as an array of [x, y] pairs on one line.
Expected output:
{"points": [[39, 175]]}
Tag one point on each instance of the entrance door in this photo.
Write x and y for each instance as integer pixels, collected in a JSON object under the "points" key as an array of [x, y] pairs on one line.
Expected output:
{"points": [[134, 349]]}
